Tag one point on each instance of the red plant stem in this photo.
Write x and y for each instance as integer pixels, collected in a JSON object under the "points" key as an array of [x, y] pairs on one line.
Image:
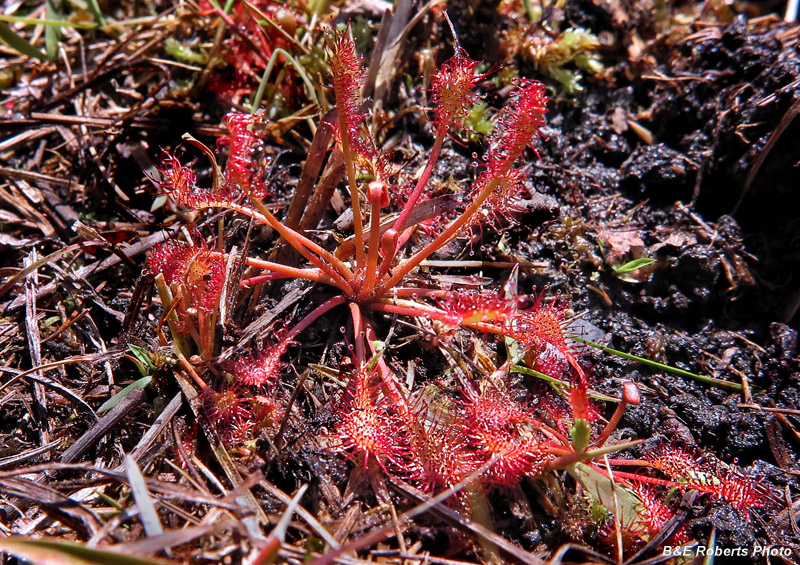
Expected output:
{"points": [[393, 241], [564, 461], [611, 426], [358, 334], [417, 309], [332, 266], [355, 199], [192, 373], [422, 181], [412, 292], [390, 387], [373, 251], [450, 231], [315, 275], [404, 237], [554, 449], [405, 310], [630, 463], [642, 478], [282, 271], [253, 281], [547, 430], [630, 396], [301, 243], [329, 304]]}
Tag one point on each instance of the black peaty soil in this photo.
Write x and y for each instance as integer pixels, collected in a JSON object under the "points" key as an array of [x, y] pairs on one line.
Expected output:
{"points": [[722, 297]]}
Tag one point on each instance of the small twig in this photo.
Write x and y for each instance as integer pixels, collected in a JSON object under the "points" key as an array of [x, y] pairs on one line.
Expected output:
{"points": [[102, 427], [14, 460]]}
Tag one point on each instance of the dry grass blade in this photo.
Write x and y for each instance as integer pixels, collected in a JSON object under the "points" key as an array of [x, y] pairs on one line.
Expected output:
{"points": [[171, 538], [67, 393], [269, 552], [245, 498], [144, 501], [141, 246], [434, 504], [558, 556], [33, 265], [157, 428], [505, 547], [65, 553], [54, 503], [302, 512]]}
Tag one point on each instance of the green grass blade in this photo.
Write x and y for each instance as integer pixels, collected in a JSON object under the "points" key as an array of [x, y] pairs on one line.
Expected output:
{"points": [[561, 386], [117, 398], [52, 34], [634, 265], [18, 43], [656, 365], [96, 12], [257, 97], [47, 22]]}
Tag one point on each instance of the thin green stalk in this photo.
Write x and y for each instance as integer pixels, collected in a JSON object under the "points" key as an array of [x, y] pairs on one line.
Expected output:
{"points": [[259, 94], [655, 364], [573, 457], [559, 385], [165, 294], [48, 22]]}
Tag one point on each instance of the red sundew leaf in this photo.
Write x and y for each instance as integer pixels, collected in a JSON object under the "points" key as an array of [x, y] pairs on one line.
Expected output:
{"points": [[509, 190], [229, 411], [226, 405], [470, 306], [519, 123], [653, 512], [440, 456], [348, 78], [544, 325], [496, 425], [709, 475], [199, 272], [652, 516], [452, 90], [551, 363], [523, 457], [267, 412], [582, 407], [243, 173], [264, 368], [181, 183], [368, 427]]}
